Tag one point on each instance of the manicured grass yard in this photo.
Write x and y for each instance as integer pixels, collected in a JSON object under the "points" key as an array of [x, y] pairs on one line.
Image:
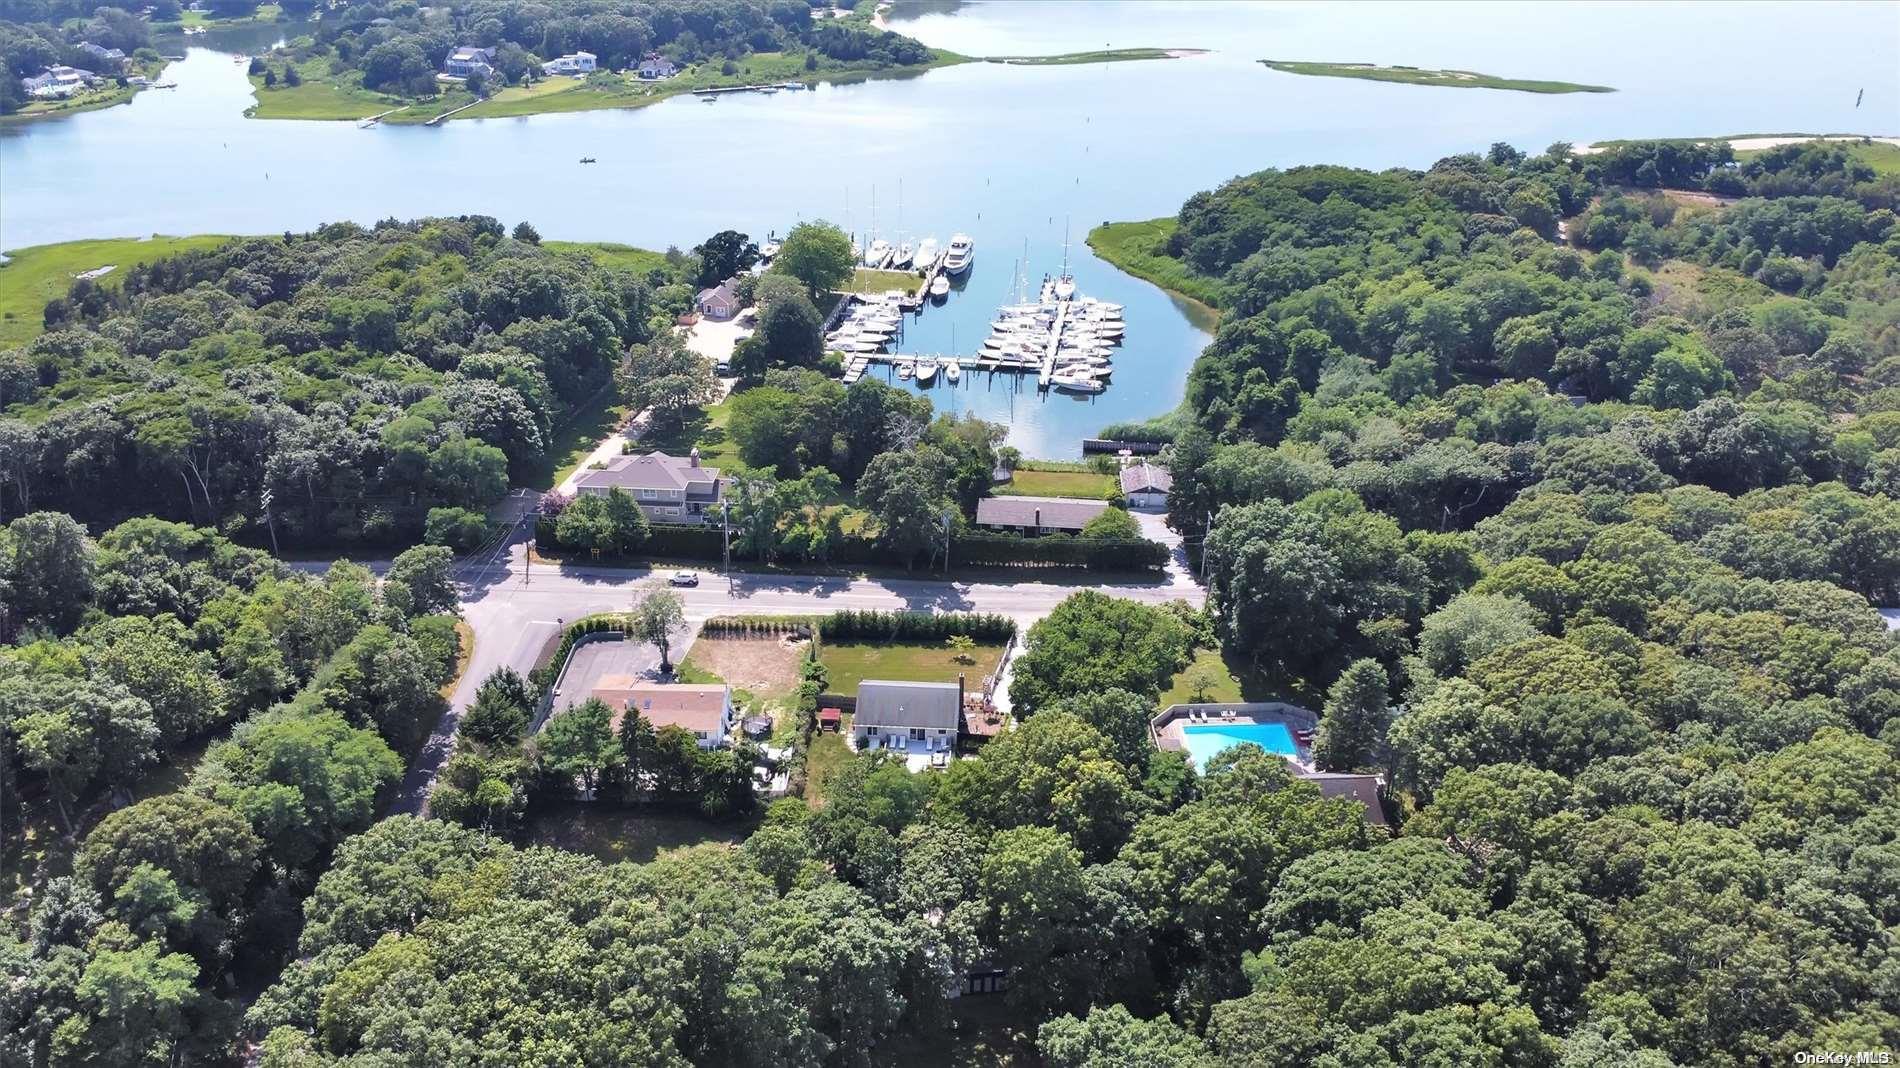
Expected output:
{"points": [[1060, 484], [326, 96], [706, 430], [850, 663], [869, 282], [575, 439], [615, 834], [32, 276], [1141, 249], [1210, 669]]}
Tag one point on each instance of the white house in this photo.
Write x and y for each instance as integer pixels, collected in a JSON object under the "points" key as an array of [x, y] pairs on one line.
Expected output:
{"points": [[917, 719], [57, 81], [705, 711], [575, 63], [1146, 486], [656, 66]]}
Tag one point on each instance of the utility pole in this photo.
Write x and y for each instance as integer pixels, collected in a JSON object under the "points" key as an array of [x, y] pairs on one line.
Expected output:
{"points": [[946, 542], [527, 564], [270, 522], [725, 524]]}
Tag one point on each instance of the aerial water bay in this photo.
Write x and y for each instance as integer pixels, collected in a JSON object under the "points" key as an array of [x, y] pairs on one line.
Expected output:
{"points": [[1012, 155]]}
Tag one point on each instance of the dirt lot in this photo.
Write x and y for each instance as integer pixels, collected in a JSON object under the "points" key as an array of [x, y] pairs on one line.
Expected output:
{"points": [[767, 667]]}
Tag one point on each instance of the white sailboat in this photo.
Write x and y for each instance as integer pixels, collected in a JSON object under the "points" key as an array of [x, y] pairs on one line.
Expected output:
{"points": [[878, 255], [952, 371], [1065, 285], [926, 256], [1077, 382]]}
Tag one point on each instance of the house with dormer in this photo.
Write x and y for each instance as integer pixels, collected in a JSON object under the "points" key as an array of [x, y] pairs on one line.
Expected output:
{"points": [[674, 490]]}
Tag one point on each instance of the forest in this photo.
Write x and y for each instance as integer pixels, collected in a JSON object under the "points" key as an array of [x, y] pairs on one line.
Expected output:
{"points": [[332, 388], [1564, 497]]}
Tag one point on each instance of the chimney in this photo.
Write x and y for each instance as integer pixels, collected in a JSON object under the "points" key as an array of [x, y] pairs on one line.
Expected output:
{"points": [[692, 458], [1038, 522], [959, 694]]}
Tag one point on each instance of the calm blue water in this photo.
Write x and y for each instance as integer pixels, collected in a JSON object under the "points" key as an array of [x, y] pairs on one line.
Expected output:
{"points": [[1204, 742], [1006, 154]]}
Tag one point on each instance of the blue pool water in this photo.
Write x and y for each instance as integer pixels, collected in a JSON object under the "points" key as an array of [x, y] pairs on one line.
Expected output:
{"points": [[1204, 741]]}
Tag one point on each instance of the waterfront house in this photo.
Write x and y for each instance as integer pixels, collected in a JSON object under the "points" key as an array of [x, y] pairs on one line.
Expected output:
{"points": [[1037, 515], [112, 56], [656, 66], [1146, 485], [704, 711], [575, 63], [919, 720], [719, 302], [467, 60], [669, 489], [57, 81]]}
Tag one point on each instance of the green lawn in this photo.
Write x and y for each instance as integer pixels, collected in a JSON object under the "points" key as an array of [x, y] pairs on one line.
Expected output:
{"points": [[32, 276], [849, 663], [575, 439], [615, 834], [1207, 673], [707, 432], [864, 280], [1060, 484], [324, 95], [1141, 249], [1454, 79]]}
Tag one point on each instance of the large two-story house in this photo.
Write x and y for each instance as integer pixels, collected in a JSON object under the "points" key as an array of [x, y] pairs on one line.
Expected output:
{"points": [[467, 60], [669, 489]]}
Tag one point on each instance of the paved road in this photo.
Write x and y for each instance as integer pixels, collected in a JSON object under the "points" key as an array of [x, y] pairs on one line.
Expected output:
{"points": [[514, 610]]}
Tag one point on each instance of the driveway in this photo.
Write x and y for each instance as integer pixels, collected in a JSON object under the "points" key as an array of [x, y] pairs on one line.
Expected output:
{"points": [[716, 340], [1154, 527]]}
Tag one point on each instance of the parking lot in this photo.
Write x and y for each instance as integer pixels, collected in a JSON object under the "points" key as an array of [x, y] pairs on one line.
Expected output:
{"points": [[597, 660]]}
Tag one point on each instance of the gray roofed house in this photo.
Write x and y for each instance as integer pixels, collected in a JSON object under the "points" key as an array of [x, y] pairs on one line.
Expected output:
{"points": [[1038, 515], [1146, 485], [915, 718], [669, 489], [720, 301], [1364, 789]]}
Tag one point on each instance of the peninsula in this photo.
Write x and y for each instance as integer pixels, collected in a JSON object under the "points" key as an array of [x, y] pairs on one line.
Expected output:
{"points": [[1455, 79]]}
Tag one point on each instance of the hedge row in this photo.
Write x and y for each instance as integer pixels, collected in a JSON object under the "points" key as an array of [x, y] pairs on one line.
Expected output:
{"points": [[1002, 550], [970, 550], [872, 625], [545, 675], [750, 626]]}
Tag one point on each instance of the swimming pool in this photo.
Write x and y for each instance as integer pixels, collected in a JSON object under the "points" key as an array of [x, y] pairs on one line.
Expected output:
{"points": [[1204, 741]]}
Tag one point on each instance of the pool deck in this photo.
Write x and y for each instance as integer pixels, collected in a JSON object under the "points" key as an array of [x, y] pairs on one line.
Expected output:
{"points": [[1167, 728]]}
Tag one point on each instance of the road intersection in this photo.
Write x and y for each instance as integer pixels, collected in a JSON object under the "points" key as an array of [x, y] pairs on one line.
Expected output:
{"points": [[514, 609]]}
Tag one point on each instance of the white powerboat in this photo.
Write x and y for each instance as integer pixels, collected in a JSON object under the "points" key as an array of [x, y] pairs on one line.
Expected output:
{"points": [[878, 254], [903, 370], [926, 372], [962, 250], [1077, 383], [952, 371], [940, 286], [926, 257]]}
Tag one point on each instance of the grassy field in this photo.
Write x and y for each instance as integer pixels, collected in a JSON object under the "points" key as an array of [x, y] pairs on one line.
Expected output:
{"points": [[617, 834], [1060, 484], [707, 431], [865, 280], [1140, 249], [612, 254], [323, 95], [1884, 158], [827, 753], [849, 663], [1455, 79], [265, 13], [32, 276], [1110, 55]]}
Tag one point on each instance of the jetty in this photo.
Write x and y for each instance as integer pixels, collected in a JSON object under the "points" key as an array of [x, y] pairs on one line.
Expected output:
{"points": [[445, 116], [769, 87]]}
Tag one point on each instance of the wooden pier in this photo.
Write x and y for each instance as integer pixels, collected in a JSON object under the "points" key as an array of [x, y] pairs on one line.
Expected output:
{"points": [[856, 365]]}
